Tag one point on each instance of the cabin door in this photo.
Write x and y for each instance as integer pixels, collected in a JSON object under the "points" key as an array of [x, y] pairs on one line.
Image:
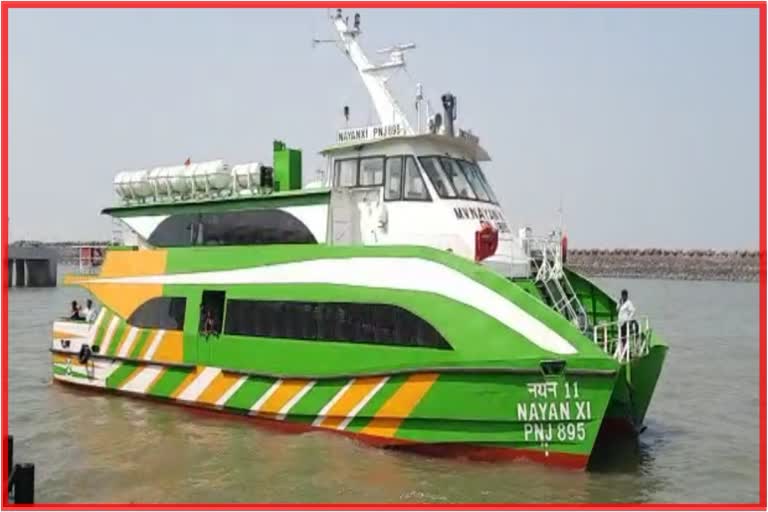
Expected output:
{"points": [[344, 222], [211, 325], [370, 213]]}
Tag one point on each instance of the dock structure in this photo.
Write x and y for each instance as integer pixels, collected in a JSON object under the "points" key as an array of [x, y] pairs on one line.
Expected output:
{"points": [[31, 266]]}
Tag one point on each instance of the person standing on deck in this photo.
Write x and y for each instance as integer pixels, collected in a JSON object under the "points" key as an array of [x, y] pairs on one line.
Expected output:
{"points": [[626, 314]]}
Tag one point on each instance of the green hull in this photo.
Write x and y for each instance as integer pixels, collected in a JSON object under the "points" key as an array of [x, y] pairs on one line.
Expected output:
{"points": [[509, 377]]}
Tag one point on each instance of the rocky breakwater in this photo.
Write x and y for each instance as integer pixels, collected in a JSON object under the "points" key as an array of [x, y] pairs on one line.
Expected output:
{"points": [[667, 264]]}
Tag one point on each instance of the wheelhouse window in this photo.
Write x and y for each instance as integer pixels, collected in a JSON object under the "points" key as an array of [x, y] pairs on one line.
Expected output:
{"points": [[454, 178], [474, 180], [415, 189], [377, 324], [160, 313], [371, 171], [486, 183], [345, 173], [437, 176], [393, 180], [456, 175]]}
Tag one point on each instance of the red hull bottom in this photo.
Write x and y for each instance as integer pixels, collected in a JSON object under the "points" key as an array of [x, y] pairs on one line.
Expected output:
{"points": [[485, 453]]}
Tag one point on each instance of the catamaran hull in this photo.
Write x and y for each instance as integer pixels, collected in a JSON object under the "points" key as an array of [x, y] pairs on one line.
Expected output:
{"points": [[634, 389], [491, 416]]}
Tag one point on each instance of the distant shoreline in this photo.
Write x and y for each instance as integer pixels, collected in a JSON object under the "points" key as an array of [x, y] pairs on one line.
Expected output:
{"points": [[692, 265]]}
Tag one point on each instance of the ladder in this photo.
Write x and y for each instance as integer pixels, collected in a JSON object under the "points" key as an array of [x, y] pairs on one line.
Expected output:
{"points": [[554, 284]]}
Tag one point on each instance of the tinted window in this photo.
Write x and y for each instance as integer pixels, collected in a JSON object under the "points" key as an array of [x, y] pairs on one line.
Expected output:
{"points": [[487, 184], [254, 227], [380, 324], [394, 179], [160, 313], [456, 175], [477, 184], [438, 178], [414, 184], [371, 171], [345, 173]]}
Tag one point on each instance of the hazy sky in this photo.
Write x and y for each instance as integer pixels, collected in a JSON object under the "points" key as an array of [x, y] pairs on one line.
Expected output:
{"points": [[644, 121]]}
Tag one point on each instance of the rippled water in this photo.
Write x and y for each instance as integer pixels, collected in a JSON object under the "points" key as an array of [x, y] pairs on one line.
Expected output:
{"points": [[701, 443]]}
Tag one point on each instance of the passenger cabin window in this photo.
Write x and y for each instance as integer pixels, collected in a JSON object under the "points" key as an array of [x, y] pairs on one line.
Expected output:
{"points": [[371, 171], [211, 312], [377, 324], [415, 189], [160, 313], [250, 227]]}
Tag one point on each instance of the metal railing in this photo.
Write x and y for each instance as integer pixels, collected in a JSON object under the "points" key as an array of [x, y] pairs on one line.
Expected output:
{"points": [[545, 254], [626, 341]]}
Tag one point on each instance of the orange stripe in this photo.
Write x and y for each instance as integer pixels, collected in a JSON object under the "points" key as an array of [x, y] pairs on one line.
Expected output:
{"points": [[59, 358], [218, 387], [134, 263], [67, 335], [351, 397], [187, 381], [388, 419], [171, 348], [282, 395]]}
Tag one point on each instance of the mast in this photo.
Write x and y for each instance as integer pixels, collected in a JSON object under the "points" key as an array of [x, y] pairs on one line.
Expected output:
{"points": [[373, 76]]}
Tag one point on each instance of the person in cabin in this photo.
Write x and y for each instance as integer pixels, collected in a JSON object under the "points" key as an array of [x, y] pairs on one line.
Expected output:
{"points": [[74, 314], [626, 312], [89, 313]]}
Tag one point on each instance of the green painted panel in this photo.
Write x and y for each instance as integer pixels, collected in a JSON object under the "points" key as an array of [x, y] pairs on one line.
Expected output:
{"points": [[118, 377], [142, 338], [59, 369], [321, 393], [169, 381], [117, 337], [247, 395], [99, 338]]}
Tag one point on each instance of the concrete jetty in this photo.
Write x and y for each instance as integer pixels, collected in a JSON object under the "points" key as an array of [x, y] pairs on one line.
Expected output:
{"points": [[32, 266]]}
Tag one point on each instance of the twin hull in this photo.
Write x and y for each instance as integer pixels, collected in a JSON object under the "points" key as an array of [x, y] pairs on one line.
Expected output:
{"points": [[437, 401]]}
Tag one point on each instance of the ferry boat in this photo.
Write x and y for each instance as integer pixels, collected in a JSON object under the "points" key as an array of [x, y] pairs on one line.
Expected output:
{"points": [[391, 301]]}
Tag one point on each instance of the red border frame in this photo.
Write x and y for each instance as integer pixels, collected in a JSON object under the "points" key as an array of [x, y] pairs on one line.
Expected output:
{"points": [[760, 6]]}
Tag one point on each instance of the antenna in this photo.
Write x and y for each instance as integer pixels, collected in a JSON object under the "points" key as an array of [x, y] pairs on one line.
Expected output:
{"points": [[373, 75]]}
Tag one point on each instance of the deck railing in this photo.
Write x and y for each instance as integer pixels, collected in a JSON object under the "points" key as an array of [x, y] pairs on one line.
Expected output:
{"points": [[631, 342]]}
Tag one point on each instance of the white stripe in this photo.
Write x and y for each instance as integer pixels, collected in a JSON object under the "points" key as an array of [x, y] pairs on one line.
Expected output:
{"points": [[201, 382], [108, 336], [362, 403], [336, 398], [128, 343], [96, 324], [155, 343], [408, 273], [231, 391], [257, 406], [287, 407], [141, 381]]}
